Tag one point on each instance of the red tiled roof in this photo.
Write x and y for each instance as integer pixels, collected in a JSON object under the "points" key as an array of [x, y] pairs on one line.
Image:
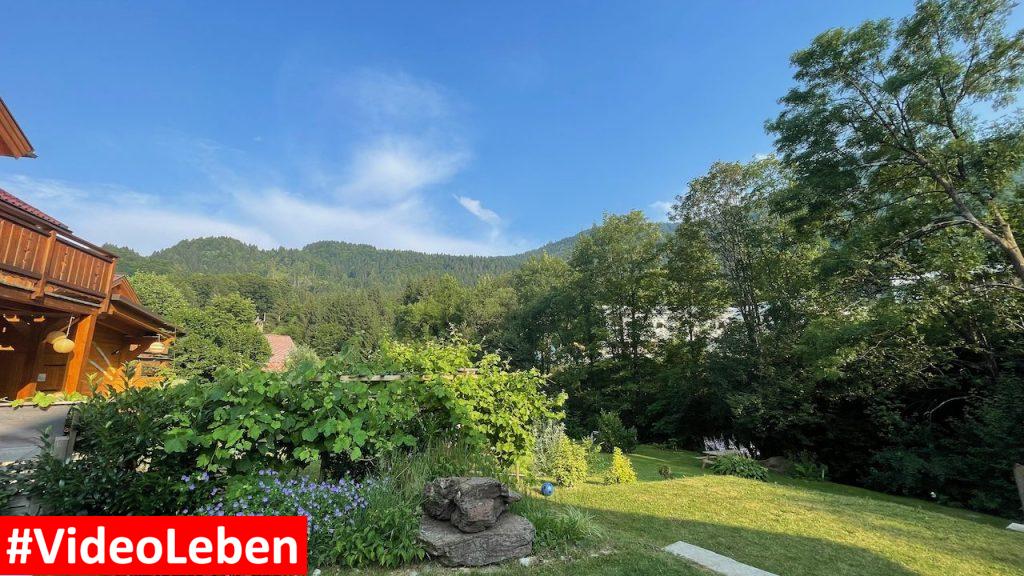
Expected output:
{"points": [[12, 200], [280, 347]]}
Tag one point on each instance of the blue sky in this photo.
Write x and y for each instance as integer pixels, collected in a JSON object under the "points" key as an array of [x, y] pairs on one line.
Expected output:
{"points": [[460, 127]]}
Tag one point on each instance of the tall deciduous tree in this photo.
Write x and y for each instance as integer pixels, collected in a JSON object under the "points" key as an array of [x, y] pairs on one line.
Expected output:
{"points": [[727, 209], [620, 263], [911, 122]]}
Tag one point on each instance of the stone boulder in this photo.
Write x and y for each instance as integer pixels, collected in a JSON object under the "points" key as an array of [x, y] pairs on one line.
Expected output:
{"points": [[438, 497], [509, 538], [472, 504]]}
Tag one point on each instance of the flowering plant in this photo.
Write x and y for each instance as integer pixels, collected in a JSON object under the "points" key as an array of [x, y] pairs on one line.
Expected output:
{"points": [[331, 508]]}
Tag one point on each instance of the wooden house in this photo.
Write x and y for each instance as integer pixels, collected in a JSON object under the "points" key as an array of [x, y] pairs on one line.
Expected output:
{"points": [[65, 318]]}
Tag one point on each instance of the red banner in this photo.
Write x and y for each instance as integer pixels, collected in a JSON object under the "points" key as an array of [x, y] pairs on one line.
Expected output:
{"points": [[153, 545]]}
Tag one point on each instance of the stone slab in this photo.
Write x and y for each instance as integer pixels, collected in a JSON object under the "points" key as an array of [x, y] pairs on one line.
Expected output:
{"points": [[510, 538], [714, 561], [1015, 527]]}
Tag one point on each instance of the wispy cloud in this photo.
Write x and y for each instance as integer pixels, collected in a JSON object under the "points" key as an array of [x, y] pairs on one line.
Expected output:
{"points": [[659, 210], [395, 168], [385, 188], [477, 209], [138, 220], [392, 96]]}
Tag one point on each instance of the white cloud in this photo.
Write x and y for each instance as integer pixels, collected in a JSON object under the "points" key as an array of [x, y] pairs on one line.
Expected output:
{"points": [[401, 225], [477, 209], [268, 218], [395, 168], [392, 96], [378, 186], [660, 209], [105, 213]]}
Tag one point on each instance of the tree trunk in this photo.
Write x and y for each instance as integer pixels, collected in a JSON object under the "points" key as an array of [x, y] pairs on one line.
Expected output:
{"points": [[1018, 475], [1002, 237]]}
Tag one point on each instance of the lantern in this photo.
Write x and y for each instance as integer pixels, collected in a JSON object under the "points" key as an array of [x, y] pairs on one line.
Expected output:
{"points": [[53, 336], [157, 347], [63, 345]]}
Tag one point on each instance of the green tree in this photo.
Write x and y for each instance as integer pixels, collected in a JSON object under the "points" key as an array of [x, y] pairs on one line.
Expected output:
{"points": [[330, 321], [620, 264], [907, 124], [430, 307], [484, 310], [161, 295], [727, 211], [696, 293], [222, 333], [535, 330]]}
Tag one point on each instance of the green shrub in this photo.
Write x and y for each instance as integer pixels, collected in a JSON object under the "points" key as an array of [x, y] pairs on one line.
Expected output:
{"points": [[11, 479], [593, 450], [302, 356], [138, 448], [665, 472], [621, 471], [558, 529], [570, 466], [248, 420], [384, 533], [121, 467], [611, 432], [739, 465], [805, 467], [547, 436]]}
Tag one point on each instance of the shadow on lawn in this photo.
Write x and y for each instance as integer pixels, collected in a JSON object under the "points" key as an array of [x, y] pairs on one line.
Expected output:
{"points": [[850, 491], [782, 554]]}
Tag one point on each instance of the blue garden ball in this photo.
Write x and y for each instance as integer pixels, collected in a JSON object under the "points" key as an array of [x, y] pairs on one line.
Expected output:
{"points": [[547, 489]]}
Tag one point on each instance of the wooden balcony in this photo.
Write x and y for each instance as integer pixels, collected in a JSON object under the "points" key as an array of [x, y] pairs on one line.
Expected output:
{"points": [[52, 264]]}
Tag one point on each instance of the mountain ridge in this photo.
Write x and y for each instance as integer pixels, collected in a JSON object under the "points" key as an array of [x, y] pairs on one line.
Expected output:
{"points": [[360, 265]]}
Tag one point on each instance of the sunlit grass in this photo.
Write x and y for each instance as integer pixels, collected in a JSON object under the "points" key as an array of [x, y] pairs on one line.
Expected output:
{"points": [[789, 527]]}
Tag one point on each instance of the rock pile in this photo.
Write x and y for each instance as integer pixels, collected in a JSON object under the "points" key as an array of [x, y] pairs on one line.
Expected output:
{"points": [[466, 522]]}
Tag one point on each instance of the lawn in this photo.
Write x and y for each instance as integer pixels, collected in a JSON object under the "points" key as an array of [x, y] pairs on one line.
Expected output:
{"points": [[785, 526]]}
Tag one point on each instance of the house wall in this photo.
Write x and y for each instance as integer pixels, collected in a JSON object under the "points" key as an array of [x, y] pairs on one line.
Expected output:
{"points": [[28, 366], [106, 353], [33, 366]]}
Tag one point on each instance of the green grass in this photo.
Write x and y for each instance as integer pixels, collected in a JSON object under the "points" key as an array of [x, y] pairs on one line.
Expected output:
{"points": [[786, 526]]}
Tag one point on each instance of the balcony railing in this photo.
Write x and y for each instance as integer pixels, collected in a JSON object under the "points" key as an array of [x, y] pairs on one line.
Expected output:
{"points": [[53, 262]]}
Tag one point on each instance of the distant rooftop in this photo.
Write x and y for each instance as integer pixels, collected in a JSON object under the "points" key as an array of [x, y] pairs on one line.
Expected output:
{"points": [[280, 346]]}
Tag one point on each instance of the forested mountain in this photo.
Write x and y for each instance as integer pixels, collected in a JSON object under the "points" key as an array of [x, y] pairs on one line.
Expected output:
{"points": [[358, 265], [854, 303]]}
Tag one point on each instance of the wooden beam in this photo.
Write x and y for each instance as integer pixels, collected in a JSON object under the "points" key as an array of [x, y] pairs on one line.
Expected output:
{"points": [[108, 284], [33, 362], [47, 303], [47, 250], [84, 331]]}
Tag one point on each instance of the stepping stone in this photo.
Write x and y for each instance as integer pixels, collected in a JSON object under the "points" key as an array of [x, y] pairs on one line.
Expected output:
{"points": [[713, 561], [1016, 527]]}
